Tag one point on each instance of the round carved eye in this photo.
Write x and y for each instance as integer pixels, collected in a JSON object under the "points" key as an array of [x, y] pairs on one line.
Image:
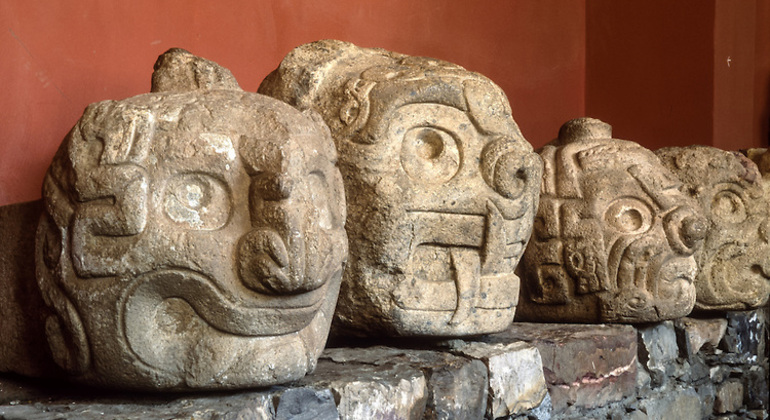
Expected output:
{"points": [[629, 215], [728, 206], [430, 154], [197, 201]]}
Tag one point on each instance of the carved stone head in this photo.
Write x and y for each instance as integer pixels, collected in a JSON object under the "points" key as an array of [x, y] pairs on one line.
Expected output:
{"points": [[734, 263], [614, 237], [441, 187], [191, 238]]}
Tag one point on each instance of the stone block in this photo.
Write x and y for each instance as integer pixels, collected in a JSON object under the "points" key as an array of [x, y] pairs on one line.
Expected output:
{"points": [[516, 380], [707, 394], [757, 393], [681, 404], [746, 335], [306, 404], [658, 351], [456, 386], [729, 396], [250, 405], [693, 333], [23, 347], [370, 383], [584, 365]]}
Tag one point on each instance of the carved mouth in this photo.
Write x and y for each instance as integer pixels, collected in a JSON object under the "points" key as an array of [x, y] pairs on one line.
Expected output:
{"points": [[477, 252], [146, 301], [736, 277]]}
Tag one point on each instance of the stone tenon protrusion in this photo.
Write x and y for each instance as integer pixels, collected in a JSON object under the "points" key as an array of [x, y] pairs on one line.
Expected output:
{"points": [[614, 236], [192, 238]]}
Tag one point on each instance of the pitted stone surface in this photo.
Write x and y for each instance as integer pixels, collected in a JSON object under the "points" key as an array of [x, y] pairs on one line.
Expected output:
{"points": [[441, 187], [681, 404], [745, 338], [658, 350], [192, 238], [456, 387], [22, 343], [369, 391], [614, 236], [693, 333], [585, 366], [729, 397], [734, 262], [516, 380]]}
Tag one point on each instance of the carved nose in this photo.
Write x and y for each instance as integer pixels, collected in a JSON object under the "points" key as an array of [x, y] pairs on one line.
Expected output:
{"points": [[685, 230], [509, 169], [694, 230]]}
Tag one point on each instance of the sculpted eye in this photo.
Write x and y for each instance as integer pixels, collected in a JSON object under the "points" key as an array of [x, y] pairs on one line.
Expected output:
{"points": [[728, 206], [197, 201], [629, 215], [430, 154]]}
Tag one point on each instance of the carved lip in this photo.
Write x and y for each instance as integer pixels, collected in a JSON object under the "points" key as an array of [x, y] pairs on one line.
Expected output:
{"points": [[149, 290], [478, 246]]}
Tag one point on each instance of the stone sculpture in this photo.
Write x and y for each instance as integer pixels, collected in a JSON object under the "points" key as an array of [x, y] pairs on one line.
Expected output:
{"points": [[192, 238], [441, 187], [614, 237], [734, 262]]}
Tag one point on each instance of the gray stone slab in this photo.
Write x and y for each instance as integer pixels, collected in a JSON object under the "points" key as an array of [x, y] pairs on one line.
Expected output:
{"points": [[516, 380], [584, 365]]}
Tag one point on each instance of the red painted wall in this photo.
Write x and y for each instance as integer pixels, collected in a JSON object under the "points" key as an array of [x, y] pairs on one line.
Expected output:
{"points": [[649, 69], [59, 56], [675, 73], [761, 121]]}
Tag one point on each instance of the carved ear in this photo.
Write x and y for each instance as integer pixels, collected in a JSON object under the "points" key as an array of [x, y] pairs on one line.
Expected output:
{"points": [[178, 70]]}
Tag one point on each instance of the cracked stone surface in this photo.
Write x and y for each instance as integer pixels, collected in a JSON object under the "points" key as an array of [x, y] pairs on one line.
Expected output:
{"points": [[614, 236], [585, 366], [516, 381], [441, 187], [192, 237], [734, 262]]}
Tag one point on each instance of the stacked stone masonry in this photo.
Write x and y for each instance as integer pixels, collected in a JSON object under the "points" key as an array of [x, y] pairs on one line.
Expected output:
{"points": [[698, 368]]}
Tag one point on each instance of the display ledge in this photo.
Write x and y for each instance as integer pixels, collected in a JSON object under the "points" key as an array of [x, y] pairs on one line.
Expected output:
{"points": [[702, 368]]}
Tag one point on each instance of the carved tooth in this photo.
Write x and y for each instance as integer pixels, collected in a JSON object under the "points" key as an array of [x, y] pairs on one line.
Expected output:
{"points": [[466, 265], [493, 248]]}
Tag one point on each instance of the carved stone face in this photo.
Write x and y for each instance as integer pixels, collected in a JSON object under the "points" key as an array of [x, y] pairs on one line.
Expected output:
{"points": [[614, 237], [734, 263], [441, 187], [191, 240]]}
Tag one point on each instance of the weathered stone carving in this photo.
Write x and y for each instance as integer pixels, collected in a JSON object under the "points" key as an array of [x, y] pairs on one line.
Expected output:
{"points": [[614, 237], [441, 187], [191, 238], [734, 262]]}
